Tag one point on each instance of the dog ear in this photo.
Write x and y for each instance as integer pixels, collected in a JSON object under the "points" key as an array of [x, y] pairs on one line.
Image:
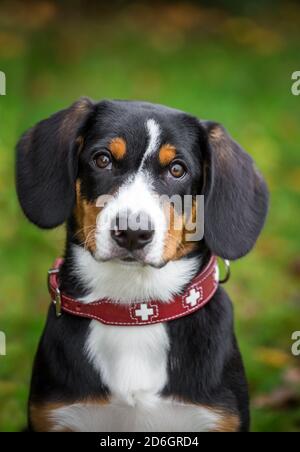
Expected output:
{"points": [[46, 169], [236, 196]]}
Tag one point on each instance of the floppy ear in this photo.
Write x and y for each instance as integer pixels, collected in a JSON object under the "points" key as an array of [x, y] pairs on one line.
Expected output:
{"points": [[236, 196], [46, 170]]}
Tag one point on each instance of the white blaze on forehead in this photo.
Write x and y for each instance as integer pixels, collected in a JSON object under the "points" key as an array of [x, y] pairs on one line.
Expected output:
{"points": [[153, 131]]}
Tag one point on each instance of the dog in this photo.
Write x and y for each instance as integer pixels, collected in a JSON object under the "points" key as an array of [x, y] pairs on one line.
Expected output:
{"points": [[140, 334]]}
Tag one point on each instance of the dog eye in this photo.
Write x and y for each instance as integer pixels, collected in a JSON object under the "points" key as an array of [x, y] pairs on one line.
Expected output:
{"points": [[177, 170], [103, 160]]}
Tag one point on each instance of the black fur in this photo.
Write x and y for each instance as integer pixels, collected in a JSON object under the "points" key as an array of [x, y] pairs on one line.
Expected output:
{"points": [[205, 366], [236, 196], [47, 166], [213, 372]]}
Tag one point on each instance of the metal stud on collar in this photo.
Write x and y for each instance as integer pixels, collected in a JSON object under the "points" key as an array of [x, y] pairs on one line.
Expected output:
{"points": [[228, 272]]}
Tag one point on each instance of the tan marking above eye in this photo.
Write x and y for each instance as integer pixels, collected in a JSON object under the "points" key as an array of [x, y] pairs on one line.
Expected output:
{"points": [[118, 148], [167, 153]]}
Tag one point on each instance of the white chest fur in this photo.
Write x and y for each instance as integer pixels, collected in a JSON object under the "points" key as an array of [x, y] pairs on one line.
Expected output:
{"points": [[132, 361], [165, 416]]}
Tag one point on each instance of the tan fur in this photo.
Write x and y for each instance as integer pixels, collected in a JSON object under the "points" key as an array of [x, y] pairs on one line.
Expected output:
{"points": [[176, 245], [86, 215], [118, 148], [229, 422], [166, 154], [41, 414]]}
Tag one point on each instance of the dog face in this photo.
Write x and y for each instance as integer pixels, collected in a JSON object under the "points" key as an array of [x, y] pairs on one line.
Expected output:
{"points": [[111, 169], [138, 154]]}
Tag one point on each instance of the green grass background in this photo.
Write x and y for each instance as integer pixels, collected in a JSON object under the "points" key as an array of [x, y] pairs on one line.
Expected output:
{"points": [[231, 64]]}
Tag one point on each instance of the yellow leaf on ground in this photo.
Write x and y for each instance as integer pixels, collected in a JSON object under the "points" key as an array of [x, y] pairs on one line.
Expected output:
{"points": [[273, 357]]}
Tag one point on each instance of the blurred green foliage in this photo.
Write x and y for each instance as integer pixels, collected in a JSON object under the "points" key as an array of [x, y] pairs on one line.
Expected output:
{"points": [[233, 65]]}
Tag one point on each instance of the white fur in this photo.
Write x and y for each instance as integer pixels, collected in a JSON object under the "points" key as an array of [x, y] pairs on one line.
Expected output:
{"points": [[132, 361], [167, 416], [154, 132], [128, 283], [134, 197]]}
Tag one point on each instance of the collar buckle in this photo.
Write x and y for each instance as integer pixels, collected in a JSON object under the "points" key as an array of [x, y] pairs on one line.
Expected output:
{"points": [[57, 299], [227, 272]]}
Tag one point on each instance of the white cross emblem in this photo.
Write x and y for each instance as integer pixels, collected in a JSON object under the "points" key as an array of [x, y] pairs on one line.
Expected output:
{"points": [[193, 298], [144, 312]]}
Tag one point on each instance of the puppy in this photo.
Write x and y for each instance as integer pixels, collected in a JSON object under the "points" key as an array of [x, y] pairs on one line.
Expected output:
{"points": [[139, 335]]}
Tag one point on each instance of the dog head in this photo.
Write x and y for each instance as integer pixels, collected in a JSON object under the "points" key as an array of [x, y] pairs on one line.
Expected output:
{"points": [[113, 169]]}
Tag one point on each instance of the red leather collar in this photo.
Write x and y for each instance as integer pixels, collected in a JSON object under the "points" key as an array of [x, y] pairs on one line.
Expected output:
{"points": [[197, 295]]}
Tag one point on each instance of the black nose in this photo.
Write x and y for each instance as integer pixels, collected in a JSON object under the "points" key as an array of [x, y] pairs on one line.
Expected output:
{"points": [[132, 238]]}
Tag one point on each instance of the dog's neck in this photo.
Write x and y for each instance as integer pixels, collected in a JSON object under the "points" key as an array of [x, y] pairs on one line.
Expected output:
{"points": [[88, 280]]}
